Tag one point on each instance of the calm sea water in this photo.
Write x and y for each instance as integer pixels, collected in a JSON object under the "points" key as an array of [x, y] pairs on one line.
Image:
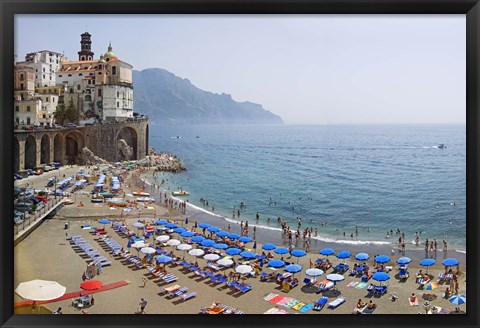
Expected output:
{"points": [[380, 176]]}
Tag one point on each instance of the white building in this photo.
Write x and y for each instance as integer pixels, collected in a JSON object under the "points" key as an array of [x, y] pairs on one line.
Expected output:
{"points": [[45, 64]]}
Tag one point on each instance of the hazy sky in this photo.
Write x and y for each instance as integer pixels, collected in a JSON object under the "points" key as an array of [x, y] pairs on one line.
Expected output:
{"points": [[312, 69]]}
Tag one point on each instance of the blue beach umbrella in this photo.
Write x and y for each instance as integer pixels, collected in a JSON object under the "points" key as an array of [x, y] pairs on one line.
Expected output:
{"points": [[220, 246], [427, 263], [198, 239], [222, 234], [204, 225], [233, 251], [298, 253], [380, 276], [245, 239], [213, 229], [404, 260], [104, 221], [171, 225], [362, 256], [293, 268], [268, 247], [382, 259], [179, 230], [327, 251], [281, 250], [344, 254], [276, 263], [247, 255], [450, 262], [160, 222], [208, 243], [458, 299], [233, 235], [164, 259], [187, 234]]}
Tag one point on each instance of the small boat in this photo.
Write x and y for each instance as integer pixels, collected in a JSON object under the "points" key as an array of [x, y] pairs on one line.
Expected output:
{"points": [[180, 193], [442, 146], [120, 202], [141, 194], [145, 199], [106, 194], [97, 200]]}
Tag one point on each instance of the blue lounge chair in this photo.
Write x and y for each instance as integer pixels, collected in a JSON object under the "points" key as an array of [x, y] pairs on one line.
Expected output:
{"points": [[188, 296], [320, 304], [178, 292]]}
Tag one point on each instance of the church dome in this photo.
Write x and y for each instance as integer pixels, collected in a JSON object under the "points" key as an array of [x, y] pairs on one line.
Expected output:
{"points": [[109, 53]]}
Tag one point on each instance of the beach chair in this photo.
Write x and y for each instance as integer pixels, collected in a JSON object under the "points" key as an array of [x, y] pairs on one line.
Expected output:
{"points": [[366, 277], [170, 279], [188, 296], [336, 303], [324, 286], [178, 292], [320, 303], [193, 268], [170, 289], [216, 277], [243, 288], [222, 279], [370, 290], [380, 290], [403, 275]]}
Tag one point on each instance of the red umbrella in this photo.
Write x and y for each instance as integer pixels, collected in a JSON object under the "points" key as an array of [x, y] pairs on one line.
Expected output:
{"points": [[91, 285]]}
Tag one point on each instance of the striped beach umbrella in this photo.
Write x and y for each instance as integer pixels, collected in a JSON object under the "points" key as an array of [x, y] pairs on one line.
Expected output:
{"points": [[430, 286], [458, 299]]}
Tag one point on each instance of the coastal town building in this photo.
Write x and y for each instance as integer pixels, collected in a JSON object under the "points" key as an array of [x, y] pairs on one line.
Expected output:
{"points": [[101, 88]]}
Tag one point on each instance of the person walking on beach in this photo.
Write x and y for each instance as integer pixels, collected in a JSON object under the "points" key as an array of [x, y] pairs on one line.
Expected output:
{"points": [[426, 245], [435, 244], [143, 304], [316, 232], [444, 245], [144, 279]]}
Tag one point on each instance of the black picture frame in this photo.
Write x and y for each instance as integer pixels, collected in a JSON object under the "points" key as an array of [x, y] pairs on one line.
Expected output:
{"points": [[471, 8]]}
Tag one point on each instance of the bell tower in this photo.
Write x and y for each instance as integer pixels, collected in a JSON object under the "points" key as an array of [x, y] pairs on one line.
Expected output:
{"points": [[86, 47]]}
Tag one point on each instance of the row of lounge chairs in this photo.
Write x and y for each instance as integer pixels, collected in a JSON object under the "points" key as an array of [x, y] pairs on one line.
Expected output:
{"points": [[376, 290], [239, 286], [92, 253], [177, 290], [220, 309], [318, 306]]}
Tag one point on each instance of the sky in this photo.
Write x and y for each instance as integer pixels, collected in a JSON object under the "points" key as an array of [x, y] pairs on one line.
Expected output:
{"points": [[309, 69]]}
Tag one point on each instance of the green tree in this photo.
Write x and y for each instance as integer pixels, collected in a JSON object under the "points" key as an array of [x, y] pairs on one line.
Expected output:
{"points": [[60, 114], [71, 113]]}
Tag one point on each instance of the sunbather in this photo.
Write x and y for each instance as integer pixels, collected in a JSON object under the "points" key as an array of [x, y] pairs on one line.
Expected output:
{"points": [[413, 299], [371, 305], [361, 304]]}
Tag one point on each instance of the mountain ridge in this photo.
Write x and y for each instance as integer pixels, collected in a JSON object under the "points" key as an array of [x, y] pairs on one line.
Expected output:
{"points": [[169, 99]]}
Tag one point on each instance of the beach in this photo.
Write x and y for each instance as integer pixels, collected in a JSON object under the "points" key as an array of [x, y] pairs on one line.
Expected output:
{"points": [[47, 254]]}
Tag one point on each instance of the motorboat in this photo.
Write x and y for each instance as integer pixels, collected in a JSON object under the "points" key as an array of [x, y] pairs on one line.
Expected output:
{"points": [[180, 193], [120, 202], [442, 146], [145, 199], [141, 194]]}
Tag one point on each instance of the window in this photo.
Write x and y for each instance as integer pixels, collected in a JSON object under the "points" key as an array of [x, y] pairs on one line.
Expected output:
{"points": [[46, 99], [28, 108], [118, 94], [43, 75], [21, 77], [69, 74], [99, 92], [28, 120], [36, 70], [44, 116], [53, 99], [60, 75], [21, 86], [17, 108], [80, 74], [44, 69], [114, 70], [99, 73], [118, 104], [78, 86], [71, 90], [17, 120]]}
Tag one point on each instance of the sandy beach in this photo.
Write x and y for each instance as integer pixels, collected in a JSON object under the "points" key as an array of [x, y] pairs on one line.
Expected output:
{"points": [[47, 254]]}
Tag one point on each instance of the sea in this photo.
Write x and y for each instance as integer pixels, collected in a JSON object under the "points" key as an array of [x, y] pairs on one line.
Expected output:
{"points": [[333, 178]]}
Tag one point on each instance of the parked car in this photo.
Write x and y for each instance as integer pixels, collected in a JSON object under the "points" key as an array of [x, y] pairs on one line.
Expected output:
{"points": [[57, 126], [17, 176], [24, 207], [17, 191], [28, 128], [47, 168], [39, 207], [70, 125], [33, 200], [23, 215], [55, 165], [43, 199], [26, 193], [30, 172], [38, 171]]}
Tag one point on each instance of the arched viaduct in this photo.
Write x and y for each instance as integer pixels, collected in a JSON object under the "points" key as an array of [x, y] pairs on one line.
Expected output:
{"points": [[35, 148]]}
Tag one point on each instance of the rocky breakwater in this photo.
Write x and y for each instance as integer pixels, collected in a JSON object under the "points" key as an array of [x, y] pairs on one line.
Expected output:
{"points": [[163, 162]]}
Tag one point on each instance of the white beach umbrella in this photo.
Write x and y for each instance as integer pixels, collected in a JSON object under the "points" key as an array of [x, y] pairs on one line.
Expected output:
{"points": [[184, 247], [148, 250], [243, 269], [173, 242], [162, 238], [314, 272], [138, 225], [211, 257], [139, 244], [335, 277], [225, 262], [196, 252], [40, 290]]}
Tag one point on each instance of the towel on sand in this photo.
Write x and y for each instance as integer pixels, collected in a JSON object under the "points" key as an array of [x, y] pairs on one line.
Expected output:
{"points": [[284, 300], [298, 306], [276, 299], [270, 296], [305, 308], [362, 284], [352, 284], [291, 304]]}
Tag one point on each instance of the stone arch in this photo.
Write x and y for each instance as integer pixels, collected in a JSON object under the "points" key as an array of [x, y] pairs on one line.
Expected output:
{"points": [[16, 155], [130, 136], [74, 142], [58, 142], [30, 152], [45, 150]]}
